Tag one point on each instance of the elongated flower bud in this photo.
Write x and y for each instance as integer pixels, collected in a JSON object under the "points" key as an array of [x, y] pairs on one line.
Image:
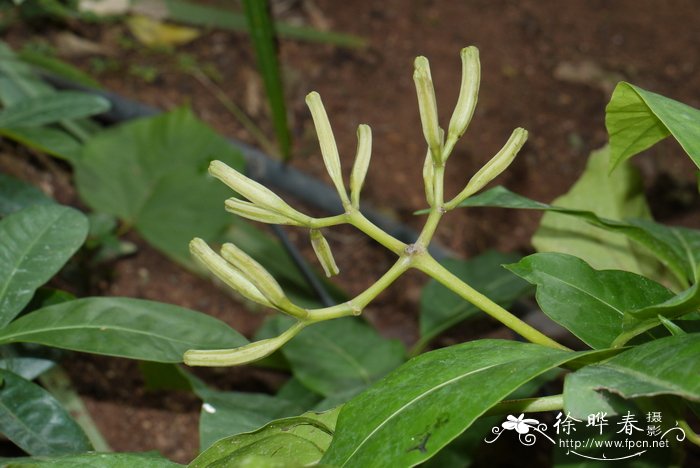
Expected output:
{"points": [[225, 272], [261, 279], [359, 168], [494, 167], [255, 192], [256, 213], [427, 105], [468, 93], [323, 253], [243, 354], [326, 140], [428, 179]]}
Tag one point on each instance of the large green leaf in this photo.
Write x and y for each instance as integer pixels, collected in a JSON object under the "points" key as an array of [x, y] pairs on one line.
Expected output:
{"points": [[637, 119], [116, 326], [53, 141], [416, 410], [152, 173], [441, 309], [31, 418], [98, 460], [616, 196], [52, 108], [29, 368], [36, 243], [667, 366], [296, 441], [676, 247], [226, 413], [588, 302], [16, 194], [341, 356]]}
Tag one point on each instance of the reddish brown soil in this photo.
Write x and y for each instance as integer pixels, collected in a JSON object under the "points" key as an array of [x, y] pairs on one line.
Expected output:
{"points": [[526, 48]]}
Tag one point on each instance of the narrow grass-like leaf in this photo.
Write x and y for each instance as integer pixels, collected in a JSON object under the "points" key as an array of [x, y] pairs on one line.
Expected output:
{"points": [[52, 108], [637, 119], [53, 141], [416, 410], [262, 34], [589, 303], [36, 242], [31, 418], [125, 327], [667, 366]]}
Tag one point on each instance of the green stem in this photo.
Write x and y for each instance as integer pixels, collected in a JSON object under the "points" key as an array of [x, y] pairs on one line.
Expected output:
{"points": [[690, 434], [358, 220], [528, 405], [430, 266], [317, 223]]}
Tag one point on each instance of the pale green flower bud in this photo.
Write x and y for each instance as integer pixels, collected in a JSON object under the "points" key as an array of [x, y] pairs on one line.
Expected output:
{"points": [[427, 105], [225, 272], [326, 140], [254, 212], [261, 279], [493, 168], [323, 253], [359, 168], [241, 355], [255, 192], [468, 94]]}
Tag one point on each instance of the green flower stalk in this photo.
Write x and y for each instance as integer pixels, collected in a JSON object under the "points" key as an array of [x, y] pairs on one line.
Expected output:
{"points": [[250, 279]]}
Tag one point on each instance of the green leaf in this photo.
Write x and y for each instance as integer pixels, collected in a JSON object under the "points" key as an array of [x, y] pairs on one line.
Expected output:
{"points": [[416, 410], [152, 174], [636, 119], [677, 248], [58, 67], [589, 303], [617, 196], [293, 390], [52, 108], [28, 368], [226, 413], [341, 355], [99, 460], [667, 366], [442, 309], [36, 243], [263, 36], [49, 140], [31, 418], [16, 195], [125, 327], [639, 320], [297, 441]]}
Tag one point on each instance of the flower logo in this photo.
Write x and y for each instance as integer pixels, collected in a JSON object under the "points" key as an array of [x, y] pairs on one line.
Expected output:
{"points": [[521, 425]]}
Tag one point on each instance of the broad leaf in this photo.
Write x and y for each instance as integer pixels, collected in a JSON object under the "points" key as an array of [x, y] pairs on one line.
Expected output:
{"points": [[16, 194], [341, 355], [31, 418], [677, 248], [28, 368], [589, 303], [616, 196], [36, 243], [296, 441], [124, 327], [416, 410], [442, 309], [667, 366], [152, 174], [99, 460], [636, 119], [52, 108], [49, 140], [227, 413]]}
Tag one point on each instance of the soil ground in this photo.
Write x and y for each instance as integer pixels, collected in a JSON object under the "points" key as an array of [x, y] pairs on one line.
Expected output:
{"points": [[548, 66]]}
